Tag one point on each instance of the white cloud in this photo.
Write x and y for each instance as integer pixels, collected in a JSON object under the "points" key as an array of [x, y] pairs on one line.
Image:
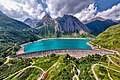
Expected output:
{"points": [[91, 12], [60, 7], [86, 13], [21, 9], [113, 13], [82, 9]]}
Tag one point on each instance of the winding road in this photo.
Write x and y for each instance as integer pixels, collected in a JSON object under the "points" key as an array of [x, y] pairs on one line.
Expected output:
{"points": [[112, 61], [75, 76], [21, 71], [27, 68], [93, 66]]}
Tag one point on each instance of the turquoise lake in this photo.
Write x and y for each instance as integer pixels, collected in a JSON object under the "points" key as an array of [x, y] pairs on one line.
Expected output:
{"points": [[57, 44]]}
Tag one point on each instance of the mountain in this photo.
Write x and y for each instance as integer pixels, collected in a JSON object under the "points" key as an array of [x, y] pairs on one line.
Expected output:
{"points": [[11, 24], [48, 28], [94, 19], [12, 34], [71, 24], [46, 19], [37, 23], [97, 26], [62, 25], [32, 23], [110, 38], [2, 14], [28, 21], [66, 25]]}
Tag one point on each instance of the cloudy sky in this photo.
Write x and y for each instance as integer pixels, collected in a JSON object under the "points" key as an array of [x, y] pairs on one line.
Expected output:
{"points": [[82, 9]]}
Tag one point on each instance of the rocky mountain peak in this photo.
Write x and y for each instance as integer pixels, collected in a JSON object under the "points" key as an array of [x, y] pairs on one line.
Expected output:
{"points": [[70, 23], [46, 18], [31, 22], [28, 20]]}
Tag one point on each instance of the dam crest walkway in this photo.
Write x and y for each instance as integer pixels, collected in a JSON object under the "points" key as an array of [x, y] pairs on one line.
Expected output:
{"points": [[74, 53]]}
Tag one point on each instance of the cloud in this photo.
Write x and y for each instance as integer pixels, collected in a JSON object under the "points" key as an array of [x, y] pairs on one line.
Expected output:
{"points": [[36, 9], [86, 13], [91, 12], [83, 9], [61, 7], [113, 13], [21, 9]]}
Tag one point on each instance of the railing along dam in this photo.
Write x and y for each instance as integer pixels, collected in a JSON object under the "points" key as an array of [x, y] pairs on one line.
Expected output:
{"points": [[74, 53]]}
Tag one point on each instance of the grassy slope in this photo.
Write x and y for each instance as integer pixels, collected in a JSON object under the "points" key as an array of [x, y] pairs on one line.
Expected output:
{"points": [[109, 39], [102, 72], [63, 70], [65, 67], [12, 34], [51, 32], [13, 66]]}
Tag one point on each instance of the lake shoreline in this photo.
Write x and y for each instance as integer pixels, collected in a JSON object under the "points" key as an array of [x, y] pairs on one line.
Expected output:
{"points": [[21, 50], [90, 45]]}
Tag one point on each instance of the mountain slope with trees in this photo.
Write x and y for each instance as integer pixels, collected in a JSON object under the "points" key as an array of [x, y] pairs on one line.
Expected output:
{"points": [[97, 26], [12, 34], [110, 38]]}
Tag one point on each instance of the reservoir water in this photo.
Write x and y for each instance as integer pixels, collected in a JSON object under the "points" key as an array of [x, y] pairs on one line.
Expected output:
{"points": [[57, 44]]}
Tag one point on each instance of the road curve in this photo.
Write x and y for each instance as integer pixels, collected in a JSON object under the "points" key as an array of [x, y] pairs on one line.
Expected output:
{"points": [[112, 61], [27, 68], [21, 71], [103, 66], [75, 76], [93, 66]]}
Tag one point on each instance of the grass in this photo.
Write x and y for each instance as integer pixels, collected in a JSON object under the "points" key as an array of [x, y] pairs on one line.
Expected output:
{"points": [[102, 72], [13, 66], [109, 39], [45, 62], [62, 69], [29, 74], [34, 74], [114, 75], [115, 60]]}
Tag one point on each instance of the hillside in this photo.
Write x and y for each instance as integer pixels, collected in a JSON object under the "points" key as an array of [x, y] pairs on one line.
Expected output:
{"points": [[56, 67], [109, 66], [32, 22], [110, 38], [62, 67], [12, 34], [97, 26]]}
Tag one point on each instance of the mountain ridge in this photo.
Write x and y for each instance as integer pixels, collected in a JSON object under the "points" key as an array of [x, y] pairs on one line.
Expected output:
{"points": [[72, 24], [2, 14], [97, 26], [12, 34], [69, 25]]}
